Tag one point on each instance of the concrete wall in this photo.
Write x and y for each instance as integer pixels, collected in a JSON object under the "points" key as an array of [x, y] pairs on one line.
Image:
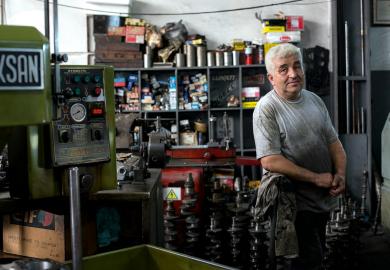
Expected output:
{"points": [[218, 27]]}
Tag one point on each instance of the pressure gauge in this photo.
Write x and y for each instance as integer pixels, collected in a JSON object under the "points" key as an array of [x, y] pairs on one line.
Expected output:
{"points": [[78, 112]]}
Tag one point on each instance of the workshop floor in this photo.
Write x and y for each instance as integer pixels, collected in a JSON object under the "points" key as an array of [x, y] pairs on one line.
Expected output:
{"points": [[375, 252]]}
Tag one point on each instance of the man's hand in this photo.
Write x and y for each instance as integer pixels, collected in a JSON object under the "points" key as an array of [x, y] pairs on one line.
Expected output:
{"points": [[324, 180], [338, 185]]}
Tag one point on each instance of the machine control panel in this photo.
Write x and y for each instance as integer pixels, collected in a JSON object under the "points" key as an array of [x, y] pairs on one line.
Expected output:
{"points": [[80, 132]]}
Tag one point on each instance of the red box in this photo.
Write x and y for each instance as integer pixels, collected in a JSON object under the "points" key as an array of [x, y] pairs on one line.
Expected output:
{"points": [[116, 31], [294, 23], [135, 30]]}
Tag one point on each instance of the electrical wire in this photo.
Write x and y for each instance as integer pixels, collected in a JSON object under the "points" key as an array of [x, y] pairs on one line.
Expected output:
{"points": [[291, 2]]}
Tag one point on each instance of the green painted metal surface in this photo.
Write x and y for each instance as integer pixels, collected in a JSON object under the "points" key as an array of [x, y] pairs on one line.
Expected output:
{"points": [[22, 106], [108, 173], [146, 257]]}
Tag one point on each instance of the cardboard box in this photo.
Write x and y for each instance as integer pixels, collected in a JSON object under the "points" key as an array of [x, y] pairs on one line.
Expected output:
{"points": [[139, 39], [44, 235], [116, 31], [118, 56], [281, 37], [135, 30], [294, 23]]}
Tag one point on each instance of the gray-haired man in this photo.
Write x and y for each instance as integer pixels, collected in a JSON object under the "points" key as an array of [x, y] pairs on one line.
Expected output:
{"points": [[294, 136]]}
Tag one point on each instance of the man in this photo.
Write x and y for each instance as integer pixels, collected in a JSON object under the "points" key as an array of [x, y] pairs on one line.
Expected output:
{"points": [[294, 136]]}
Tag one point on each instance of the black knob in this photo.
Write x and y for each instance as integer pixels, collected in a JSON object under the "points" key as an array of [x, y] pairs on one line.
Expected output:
{"points": [[64, 136], [67, 92], [86, 183]]}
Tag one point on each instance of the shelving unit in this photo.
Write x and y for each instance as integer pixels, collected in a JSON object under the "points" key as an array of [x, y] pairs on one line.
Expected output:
{"points": [[222, 83], [352, 95]]}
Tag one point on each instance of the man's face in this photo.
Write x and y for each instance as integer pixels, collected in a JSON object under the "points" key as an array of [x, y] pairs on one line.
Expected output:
{"points": [[288, 77]]}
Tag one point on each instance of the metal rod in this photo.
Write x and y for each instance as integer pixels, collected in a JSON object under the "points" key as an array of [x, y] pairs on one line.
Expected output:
{"points": [[363, 119], [362, 44], [364, 193], [359, 124], [2, 12], [354, 131], [57, 79], [47, 19], [75, 220], [347, 95]]}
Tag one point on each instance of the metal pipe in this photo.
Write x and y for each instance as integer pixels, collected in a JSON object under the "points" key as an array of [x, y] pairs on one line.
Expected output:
{"points": [[363, 120], [75, 220], [57, 79], [347, 97], [354, 131], [362, 44], [47, 19], [2, 12]]}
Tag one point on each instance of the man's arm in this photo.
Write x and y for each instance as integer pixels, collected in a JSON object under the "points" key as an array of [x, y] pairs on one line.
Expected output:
{"points": [[280, 164], [339, 160]]}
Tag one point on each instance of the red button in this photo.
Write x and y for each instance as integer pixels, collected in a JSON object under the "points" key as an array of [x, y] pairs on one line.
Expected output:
{"points": [[98, 90], [96, 111]]}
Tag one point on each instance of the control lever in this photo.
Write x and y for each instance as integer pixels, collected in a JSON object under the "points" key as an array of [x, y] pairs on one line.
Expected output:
{"points": [[227, 140], [213, 121]]}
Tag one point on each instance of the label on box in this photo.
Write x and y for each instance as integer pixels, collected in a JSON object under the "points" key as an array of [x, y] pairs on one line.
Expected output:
{"points": [[116, 31], [135, 30], [37, 234], [139, 39], [294, 23], [280, 37], [251, 92]]}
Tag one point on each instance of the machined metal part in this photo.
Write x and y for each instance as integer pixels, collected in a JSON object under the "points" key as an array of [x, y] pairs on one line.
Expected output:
{"points": [[363, 208], [342, 236], [75, 219], [170, 230]]}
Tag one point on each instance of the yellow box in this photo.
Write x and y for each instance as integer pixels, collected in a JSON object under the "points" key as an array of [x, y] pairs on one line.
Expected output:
{"points": [[249, 104], [269, 29]]}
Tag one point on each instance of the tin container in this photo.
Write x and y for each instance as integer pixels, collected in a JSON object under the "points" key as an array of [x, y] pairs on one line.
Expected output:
{"points": [[236, 58], [211, 59], [219, 59], [227, 58], [147, 60], [201, 56], [180, 60], [190, 55]]}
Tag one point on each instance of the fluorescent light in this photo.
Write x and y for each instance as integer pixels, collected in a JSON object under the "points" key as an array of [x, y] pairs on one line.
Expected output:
{"points": [[111, 2]]}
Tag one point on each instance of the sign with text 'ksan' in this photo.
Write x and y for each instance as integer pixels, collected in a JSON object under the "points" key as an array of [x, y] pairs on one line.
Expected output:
{"points": [[21, 69]]}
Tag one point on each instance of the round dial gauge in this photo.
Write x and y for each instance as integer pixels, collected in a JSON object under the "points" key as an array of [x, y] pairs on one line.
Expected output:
{"points": [[78, 112]]}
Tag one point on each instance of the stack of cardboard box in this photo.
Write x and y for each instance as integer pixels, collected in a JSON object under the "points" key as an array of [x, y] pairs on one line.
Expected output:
{"points": [[117, 42]]}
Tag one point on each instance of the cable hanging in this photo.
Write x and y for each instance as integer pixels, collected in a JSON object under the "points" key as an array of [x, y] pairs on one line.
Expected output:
{"points": [[194, 13]]}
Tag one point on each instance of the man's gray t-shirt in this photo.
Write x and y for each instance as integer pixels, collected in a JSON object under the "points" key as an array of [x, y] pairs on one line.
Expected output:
{"points": [[301, 131]]}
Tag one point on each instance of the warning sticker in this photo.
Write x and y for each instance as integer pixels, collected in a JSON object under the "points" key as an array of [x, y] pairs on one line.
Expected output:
{"points": [[172, 194]]}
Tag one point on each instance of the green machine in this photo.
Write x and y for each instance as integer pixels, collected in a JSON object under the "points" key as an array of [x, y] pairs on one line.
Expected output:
{"points": [[48, 131]]}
